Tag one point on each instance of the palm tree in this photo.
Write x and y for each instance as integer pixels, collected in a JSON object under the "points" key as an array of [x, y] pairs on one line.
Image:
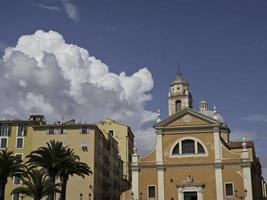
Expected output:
{"points": [[51, 159], [73, 167], [36, 184], [10, 165]]}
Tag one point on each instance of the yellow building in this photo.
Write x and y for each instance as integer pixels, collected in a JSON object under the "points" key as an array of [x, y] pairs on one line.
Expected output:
{"points": [[123, 135], [100, 151], [194, 158]]}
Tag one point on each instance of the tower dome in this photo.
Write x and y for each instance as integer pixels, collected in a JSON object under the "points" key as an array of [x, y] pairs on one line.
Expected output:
{"points": [[179, 96], [203, 105], [203, 108]]}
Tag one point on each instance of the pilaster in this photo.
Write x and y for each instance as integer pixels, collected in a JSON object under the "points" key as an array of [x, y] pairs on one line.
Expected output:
{"points": [[246, 169], [160, 167], [135, 175], [218, 163]]}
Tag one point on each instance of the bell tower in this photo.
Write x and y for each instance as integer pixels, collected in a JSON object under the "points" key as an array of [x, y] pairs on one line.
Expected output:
{"points": [[179, 96]]}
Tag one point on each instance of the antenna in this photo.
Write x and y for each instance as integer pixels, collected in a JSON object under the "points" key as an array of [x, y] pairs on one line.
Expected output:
{"points": [[179, 67]]}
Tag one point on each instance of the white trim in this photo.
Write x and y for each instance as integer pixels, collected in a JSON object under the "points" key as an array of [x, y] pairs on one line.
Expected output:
{"points": [[197, 189], [233, 186], [159, 156], [218, 183], [247, 182], [217, 146], [148, 191], [160, 173], [135, 183], [196, 140]]}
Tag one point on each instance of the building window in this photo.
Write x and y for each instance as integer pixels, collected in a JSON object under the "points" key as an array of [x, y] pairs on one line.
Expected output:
{"points": [[178, 105], [3, 142], [4, 130], [229, 189], [16, 180], [110, 132], [84, 130], [19, 143], [15, 196], [151, 191], [188, 146], [84, 145], [21, 130], [176, 149], [200, 148], [51, 131], [61, 131]]}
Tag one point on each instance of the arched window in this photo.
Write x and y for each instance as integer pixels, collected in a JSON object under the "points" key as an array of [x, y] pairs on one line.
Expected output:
{"points": [[178, 105], [176, 149], [188, 146], [200, 148]]}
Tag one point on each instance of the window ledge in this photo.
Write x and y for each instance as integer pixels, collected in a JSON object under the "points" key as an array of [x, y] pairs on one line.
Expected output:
{"points": [[188, 155]]}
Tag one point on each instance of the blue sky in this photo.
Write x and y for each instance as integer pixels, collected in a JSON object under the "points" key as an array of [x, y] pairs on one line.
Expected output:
{"points": [[221, 45]]}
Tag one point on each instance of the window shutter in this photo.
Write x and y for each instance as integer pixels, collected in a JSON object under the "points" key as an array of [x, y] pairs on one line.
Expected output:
{"points": [[25, 131]]}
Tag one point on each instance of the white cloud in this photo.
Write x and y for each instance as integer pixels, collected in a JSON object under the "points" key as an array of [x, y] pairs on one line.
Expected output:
{"points": [[71, 10], [43, 74], [51, 8], [256, 118]]}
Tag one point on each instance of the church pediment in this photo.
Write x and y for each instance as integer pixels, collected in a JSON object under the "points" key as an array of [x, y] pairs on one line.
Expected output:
{"points": [[186, 117]]}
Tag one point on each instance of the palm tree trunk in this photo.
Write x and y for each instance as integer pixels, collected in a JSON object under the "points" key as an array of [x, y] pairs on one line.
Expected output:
{"points": [[2, 191], [64, 180], [51, 196]]}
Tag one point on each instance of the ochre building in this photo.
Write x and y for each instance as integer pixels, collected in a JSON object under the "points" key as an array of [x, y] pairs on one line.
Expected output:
{"points": [[97, 146], [122, 133], [194, 158]]}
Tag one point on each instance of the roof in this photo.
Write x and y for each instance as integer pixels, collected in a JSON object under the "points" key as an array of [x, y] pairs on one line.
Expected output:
{"points": [[238, 144], [179, 79]]}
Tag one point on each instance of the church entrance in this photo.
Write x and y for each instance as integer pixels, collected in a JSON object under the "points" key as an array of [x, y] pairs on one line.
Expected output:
{"points": [[190, 195]]}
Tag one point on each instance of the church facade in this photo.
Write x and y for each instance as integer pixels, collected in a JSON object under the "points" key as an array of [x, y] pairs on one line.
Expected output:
{"points": [[194, 158]]}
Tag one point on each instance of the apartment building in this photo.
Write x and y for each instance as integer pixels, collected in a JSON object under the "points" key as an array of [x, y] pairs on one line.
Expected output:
{"points": [[100, 151], [123, 134]]}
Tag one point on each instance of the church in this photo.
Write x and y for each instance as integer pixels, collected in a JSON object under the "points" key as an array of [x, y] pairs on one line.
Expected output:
{"points": [[194, 158]]}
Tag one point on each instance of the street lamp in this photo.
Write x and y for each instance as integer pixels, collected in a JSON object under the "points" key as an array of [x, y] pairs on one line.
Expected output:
{"points": [[241, 196]]}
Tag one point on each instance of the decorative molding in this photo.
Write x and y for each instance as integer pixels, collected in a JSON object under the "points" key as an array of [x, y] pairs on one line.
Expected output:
{"points": [[218, 165], [183, 185], [160, 167]]}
